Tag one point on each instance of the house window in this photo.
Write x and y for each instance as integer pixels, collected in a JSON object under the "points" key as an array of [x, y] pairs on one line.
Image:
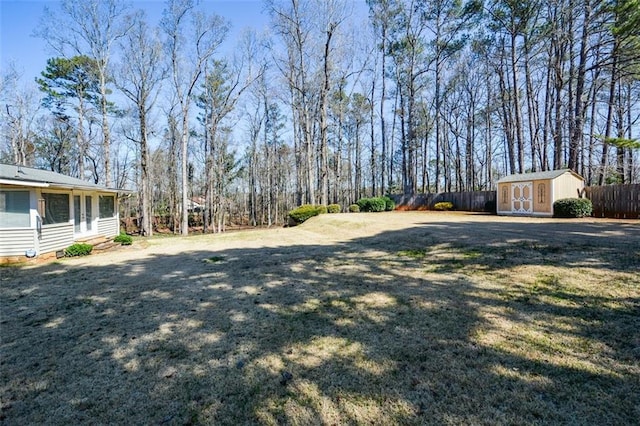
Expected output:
{"points": [[14, 209], [56, 208], [505, 200], [107, 206], [541, 193]]}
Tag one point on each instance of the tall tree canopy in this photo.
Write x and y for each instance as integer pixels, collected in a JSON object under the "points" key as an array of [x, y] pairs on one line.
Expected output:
{"points": [[332, 101]]}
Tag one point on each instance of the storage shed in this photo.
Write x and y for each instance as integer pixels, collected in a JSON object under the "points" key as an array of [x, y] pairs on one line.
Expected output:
{"points": [[533, 194]]}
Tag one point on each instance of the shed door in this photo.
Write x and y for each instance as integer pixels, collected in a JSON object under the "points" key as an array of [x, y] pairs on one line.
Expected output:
{"points": [[522, 197]]}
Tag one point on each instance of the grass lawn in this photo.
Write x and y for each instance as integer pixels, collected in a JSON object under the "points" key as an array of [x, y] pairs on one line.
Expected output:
{"points": [[386, 318]]}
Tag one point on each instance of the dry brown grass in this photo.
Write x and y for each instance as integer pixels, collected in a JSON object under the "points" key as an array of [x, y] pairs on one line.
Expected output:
{"points": [[389, 318]]}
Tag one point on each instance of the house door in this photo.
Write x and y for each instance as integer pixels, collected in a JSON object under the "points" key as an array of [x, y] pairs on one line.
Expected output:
{"points": [[82, 215], [88, 200], [77, 214], [522, 197]]}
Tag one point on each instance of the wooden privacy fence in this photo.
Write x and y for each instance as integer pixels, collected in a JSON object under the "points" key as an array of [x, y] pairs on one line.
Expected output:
{"points": [[473, 201], [615, 201]]}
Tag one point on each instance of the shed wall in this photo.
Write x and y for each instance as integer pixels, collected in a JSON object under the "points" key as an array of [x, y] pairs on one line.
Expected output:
{"points": [[566, 186], [504, 197], [542, 196]]}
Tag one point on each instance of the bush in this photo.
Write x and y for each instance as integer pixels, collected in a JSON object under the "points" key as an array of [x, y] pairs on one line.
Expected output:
{"points": [[389, 204], [334, 208], [354, 208], [123, 239], [322, 209], [375, 204], [443, 206], [302, 213], [572, 207], [78, 249]]}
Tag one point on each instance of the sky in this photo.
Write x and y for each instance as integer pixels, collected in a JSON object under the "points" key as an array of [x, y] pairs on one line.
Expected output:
{"points": [[19, 19]]}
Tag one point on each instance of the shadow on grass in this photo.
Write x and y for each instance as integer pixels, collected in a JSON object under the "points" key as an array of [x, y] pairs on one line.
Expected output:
{"points": [[430, 324]]}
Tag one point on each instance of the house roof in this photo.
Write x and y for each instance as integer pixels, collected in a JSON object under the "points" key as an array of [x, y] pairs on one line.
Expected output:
{"points": [[550, 174], [30, 177]]}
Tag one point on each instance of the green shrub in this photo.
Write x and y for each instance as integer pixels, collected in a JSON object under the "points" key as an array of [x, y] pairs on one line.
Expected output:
{"points": [[354, 208], [123, 239], [572, 207], [377, 204], [302, 213], [78, 249], [374, 204], [322, 209], [443, 206], [389, 204], [334, 208]]}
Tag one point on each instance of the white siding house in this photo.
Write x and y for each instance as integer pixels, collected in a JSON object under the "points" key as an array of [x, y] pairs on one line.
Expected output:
{"points": [[42, 212]]}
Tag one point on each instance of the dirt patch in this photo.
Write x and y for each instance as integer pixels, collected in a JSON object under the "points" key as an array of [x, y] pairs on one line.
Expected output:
{"points": [[388, 318]]}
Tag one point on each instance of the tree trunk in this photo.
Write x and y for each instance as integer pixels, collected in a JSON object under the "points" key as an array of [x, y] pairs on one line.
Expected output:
{"points": [[184, 228], [145, 190], [437, 123], [516, 105], [106, 132], [357, 185], [324, 101], [532, 110], [579, 110], [610, 110], [506, 114], [383, 133], [558, 108], [82, 144], [373, 170]]}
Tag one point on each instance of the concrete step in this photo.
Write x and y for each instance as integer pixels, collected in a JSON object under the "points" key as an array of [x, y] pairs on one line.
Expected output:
{"points": [[94, 240], [105, 246], [99, 243]]}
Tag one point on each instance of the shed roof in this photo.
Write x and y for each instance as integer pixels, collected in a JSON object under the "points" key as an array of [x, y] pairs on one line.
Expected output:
{"points": [[550, 174], [30, 177]]}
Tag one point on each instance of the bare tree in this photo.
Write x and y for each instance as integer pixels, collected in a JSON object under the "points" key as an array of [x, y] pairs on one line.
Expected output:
{"points": [[18, 116], [292, 23], [140, 77], [331, 15], [187, 61], [224, 83], [381, 15]]}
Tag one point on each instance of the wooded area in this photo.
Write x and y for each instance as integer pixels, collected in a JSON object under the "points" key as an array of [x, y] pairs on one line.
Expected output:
{"points": [[425, 97]]}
